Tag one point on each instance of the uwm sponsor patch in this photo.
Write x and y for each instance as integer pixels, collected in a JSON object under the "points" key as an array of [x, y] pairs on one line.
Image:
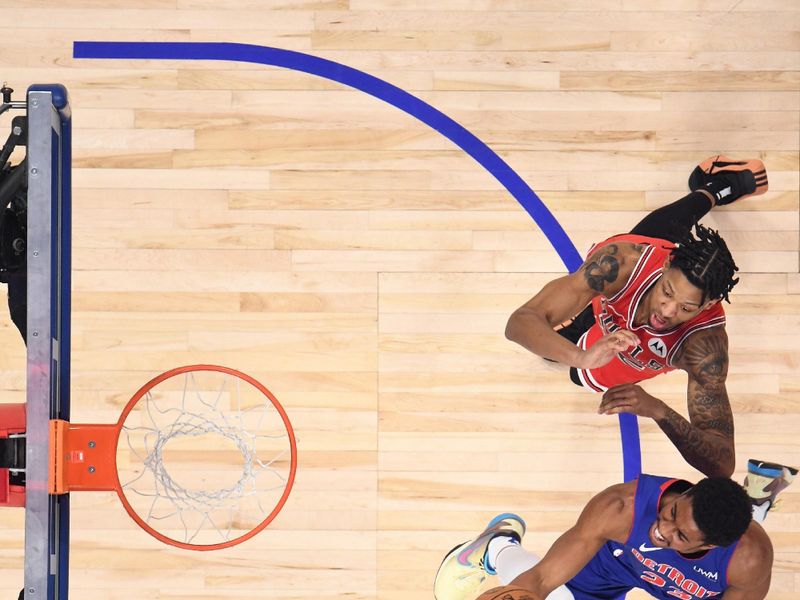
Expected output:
{"points": [[666, 576], [710, 574]]}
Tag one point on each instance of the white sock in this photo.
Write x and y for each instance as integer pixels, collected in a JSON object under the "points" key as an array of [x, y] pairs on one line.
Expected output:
{"points": [[512, 560], [495, 545], [760, 511]]}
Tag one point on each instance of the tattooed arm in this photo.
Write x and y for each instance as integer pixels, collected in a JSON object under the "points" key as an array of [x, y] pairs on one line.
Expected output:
{"points": [[604, 272], [706, 439]]}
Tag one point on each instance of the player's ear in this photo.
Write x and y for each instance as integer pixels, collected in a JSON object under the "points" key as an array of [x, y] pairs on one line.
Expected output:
{"points": [[705, 547]]}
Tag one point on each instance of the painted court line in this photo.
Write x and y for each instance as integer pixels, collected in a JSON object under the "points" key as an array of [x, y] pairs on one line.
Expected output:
{"points": [[391, 94]]}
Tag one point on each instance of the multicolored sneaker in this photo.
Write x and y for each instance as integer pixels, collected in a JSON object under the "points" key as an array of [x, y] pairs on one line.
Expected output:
{"points": [[764, 482], [465, 568], [728, 179]]}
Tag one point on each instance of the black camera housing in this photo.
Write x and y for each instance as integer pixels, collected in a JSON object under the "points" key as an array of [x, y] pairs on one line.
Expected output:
{"points": [[13, 202]]}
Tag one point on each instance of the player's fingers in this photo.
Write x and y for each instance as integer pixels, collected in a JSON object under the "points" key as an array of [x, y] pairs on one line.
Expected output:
{"points": [[623, 336], [623, 408], [613, 401], [620, 386], [615, 340], [606, 406], [614, 393], [624, 386], [610, 394], [614, 345], [619, 396]]}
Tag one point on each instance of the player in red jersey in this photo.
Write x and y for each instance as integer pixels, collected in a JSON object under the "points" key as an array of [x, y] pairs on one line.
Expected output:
{"points": [[648, 302]]}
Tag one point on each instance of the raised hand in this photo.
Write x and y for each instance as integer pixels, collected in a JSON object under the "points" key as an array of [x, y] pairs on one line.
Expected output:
{"points": [[607, 347], [631, 398]]}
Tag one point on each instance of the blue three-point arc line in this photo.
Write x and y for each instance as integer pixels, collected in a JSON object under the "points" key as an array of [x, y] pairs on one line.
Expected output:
{"points": [[391, 94]]}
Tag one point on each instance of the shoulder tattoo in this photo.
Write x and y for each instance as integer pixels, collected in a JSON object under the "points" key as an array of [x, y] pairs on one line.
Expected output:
{"points": [[602, 268]]}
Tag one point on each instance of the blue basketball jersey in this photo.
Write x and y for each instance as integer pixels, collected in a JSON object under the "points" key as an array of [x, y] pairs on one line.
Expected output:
{"points": [[662, 572]]}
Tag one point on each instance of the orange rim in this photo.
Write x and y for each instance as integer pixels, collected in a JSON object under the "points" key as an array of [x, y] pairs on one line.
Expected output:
{"points": [[292, 466]]}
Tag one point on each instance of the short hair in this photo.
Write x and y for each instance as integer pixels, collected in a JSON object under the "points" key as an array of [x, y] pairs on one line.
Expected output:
{"points": [[706, 262], [721, 509]]}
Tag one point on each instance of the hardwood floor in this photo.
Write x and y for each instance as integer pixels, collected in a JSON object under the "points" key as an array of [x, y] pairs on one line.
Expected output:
{"points": [[362, 266]]}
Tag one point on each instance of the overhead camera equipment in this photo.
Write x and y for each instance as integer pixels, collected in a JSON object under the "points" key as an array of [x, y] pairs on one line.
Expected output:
{"points": [[13, 191]]}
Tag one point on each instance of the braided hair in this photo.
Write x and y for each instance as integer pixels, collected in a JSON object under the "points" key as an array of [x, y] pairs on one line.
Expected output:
{"points": [[706, 262]]}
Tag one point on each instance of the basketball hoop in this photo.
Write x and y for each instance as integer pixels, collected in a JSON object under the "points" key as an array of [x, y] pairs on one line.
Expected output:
{"points": [[202, 457]]}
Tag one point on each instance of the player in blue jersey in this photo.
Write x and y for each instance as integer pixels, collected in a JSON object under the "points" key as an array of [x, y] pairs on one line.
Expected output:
{"points": [[665, 536]]}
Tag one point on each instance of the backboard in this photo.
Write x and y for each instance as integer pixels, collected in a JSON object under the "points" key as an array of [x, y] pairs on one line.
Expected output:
{"points": [[48, 335]]}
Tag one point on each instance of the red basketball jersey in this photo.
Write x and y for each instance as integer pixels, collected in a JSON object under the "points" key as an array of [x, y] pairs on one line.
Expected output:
{"points": [[656, 349]]}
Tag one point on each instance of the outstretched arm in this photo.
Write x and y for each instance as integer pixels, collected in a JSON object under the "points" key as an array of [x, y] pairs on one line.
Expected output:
{"points": [[531, 325], [607, 516], [706, 439]]}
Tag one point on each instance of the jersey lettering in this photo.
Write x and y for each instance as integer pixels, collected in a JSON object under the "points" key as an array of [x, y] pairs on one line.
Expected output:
{"points": [[690, 586], [629, 360], [607, 321], [663, 568], [684, 588], [676, 576], [652, 578]]}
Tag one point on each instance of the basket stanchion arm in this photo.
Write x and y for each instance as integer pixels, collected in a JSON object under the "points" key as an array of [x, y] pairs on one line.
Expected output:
{"points": [[82, 457], [12, 454]]}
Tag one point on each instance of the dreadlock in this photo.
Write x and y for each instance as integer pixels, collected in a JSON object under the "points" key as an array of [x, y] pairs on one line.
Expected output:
{"points": [[706, 262]]}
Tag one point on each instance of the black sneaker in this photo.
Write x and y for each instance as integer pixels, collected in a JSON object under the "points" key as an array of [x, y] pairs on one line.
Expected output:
{"points": [[728, 179]]}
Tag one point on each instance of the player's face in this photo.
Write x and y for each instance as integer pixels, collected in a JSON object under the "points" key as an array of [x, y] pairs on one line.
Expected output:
{"points": [[675, 527], [674, 300]]}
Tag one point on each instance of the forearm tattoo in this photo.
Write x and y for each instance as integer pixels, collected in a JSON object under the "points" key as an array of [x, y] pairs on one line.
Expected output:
{"points": [[706, 440], [705, 451], [601, 268]]}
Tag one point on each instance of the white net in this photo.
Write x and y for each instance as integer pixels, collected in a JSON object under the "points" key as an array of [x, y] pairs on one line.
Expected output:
{"points": [[204, 457]]}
